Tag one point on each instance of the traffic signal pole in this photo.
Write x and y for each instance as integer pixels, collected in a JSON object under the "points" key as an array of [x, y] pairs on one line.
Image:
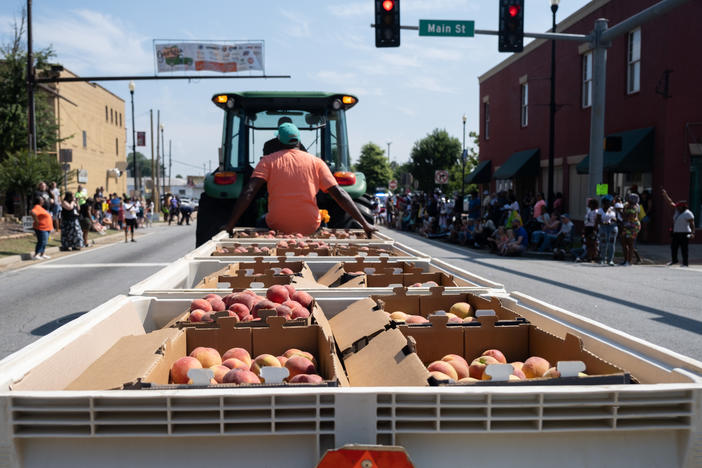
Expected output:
{"points": [[599, 39]]}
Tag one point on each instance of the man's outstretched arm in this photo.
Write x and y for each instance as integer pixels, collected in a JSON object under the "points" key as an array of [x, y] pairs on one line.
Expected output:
{"points": [[346, 203], [244, 201]]}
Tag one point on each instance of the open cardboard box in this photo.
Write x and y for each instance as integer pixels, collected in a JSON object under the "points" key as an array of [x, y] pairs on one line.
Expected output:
{"points": [[439, 299], [385, 279], [336, 277], [517, 341], [251, 250], [374, 353], [368, 251], [248, 269], [144, 361]]}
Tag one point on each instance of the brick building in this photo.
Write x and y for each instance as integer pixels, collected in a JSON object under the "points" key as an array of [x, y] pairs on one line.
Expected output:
{"points": [[653, 101], [92, 121]]}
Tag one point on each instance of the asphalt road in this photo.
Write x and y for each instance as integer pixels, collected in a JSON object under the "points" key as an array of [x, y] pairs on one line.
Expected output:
{"points": [[40, 298], [659, 304]]}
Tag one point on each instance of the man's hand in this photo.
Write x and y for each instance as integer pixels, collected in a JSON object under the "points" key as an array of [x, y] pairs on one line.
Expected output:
{"points": [[370, 229]]}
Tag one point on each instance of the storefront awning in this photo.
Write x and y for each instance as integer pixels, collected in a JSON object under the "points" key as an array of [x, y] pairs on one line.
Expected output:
{"points": [[481, 174], [636, 153], [523, 163]]}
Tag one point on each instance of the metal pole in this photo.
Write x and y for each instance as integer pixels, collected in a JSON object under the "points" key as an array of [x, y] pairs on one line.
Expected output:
{"points": [[170, 164], [158, 151], [597, 113], [552, 123], [154, 186], [463, 162], [134, 156], [163, 163], [31, 130], [389, 143]]}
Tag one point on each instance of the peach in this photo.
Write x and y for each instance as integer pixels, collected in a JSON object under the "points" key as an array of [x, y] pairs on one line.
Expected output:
{"points": [[228, 299], [300, 312], [239, 309], [439, 375], [517, 365], [219, 372], [307, 378], [297, 352], [217, 304], [240, 376], [212, 296], [497, 354], [416, 319], [282, 360], [263, 305], [415, 285], [477, 367], [519, 373], [201, 304], [398, 316], [180, 368], [207, 317], [291, 289], [249, 292], [468, 319], [468, 379], [286, 271], [208, 357], [292, 304], [265, 250], [234, 363], [303, 298], [264, 360], [513, 378], [231, 313], [461, 367], [277, 293], [283, 311], [455, 319], [461, 309], [196, 315], [455, 357], [443, 367], [299, 365], [431, 284], [552, 373], [239, 353], [248, 300], [535, 367]]}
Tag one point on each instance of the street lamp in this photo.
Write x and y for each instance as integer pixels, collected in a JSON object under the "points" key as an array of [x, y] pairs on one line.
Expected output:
{"points": [[132, 86], [163, 175], [463, 159], [389, 143], [552, 123]]}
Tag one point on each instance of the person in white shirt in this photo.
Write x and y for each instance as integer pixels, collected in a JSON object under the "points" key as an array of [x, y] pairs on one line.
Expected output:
{"points": [[131, 208], [683, 229], [608, 231]]}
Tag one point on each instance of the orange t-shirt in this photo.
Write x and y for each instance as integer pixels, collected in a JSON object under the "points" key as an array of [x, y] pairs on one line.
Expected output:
{"points": [[43, 221], [294, 177]]}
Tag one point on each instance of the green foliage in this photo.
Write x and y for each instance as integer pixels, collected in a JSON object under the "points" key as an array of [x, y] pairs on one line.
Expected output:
{"points": [[143, 162], [402, 173], [456, 171], [374, 164], [13, 97], [436, 151], [21, 172]]}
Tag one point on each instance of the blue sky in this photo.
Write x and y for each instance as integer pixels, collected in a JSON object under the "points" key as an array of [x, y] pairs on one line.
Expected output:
{"points": [[404, 93]]}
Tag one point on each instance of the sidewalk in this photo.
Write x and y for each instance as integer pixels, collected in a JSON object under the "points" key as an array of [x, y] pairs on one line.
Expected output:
{"points": [[651, 254]]}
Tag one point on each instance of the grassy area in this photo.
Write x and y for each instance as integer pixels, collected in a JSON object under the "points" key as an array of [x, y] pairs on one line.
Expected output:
{"points": [[27, 244]]}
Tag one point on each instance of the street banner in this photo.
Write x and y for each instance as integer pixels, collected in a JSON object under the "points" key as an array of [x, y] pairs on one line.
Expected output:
{"points": [[141, 138], [209, 56]]}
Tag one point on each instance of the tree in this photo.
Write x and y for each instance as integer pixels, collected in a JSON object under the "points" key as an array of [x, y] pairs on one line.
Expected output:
{"points": [[436, 151], [374, 165], [402, 173], [13, 97], [143, 163], [21, 172], [456, 171]]}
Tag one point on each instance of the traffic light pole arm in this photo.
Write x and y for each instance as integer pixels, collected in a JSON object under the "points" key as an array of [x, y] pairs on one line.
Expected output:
{"points": [[489, 32]]}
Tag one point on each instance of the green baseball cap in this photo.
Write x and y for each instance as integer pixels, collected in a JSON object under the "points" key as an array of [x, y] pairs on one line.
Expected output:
{"points": [[288, 134]]}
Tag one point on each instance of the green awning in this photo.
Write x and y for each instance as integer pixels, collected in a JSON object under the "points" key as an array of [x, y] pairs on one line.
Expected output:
{"points": [[636, 154], [481, 174], [523, 163]]}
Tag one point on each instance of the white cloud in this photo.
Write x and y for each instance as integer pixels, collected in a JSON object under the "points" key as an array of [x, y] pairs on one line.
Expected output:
{"points": [[429, 83], [88, 42], [407, 111], [412, 6], [297, 25], [352, 9]]}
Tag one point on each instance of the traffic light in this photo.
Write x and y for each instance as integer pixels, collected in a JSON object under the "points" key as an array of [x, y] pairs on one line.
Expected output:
{"points": [[511, 34], [387, 23]]}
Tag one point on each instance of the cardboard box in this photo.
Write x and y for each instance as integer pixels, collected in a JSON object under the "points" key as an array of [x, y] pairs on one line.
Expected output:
{"points": [[368, 251], [386, 279], [373, 352], [258, 266], [252, 250], [336, 277], [439, 299], [144, 361]]}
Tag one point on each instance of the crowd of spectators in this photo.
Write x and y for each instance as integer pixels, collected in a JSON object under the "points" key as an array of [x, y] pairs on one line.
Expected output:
{"points": [[500, 223]]}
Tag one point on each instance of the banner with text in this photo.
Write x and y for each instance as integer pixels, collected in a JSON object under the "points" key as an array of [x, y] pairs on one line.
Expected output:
{"points": [[209, 56]]}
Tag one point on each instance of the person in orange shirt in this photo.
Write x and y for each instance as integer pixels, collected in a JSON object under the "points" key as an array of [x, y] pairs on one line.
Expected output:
{"points": [[294, 177], [43, 225]]}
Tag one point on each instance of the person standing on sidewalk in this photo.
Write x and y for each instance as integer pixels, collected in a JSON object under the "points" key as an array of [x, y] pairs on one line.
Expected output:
{"points": [[131, 208], [43, 225], [683, 229], [71, 235]]}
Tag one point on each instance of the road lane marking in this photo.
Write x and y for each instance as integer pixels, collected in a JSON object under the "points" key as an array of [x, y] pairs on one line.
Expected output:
{"points": [[97, 265]]}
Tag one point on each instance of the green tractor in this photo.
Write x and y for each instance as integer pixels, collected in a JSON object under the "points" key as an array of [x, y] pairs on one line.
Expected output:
{"points": [[252, 118]]}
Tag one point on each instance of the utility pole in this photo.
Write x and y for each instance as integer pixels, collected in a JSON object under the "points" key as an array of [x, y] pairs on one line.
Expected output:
{"points": [[158, 149], [552, 113], [154, 185], [31, 123], [170, 163]]}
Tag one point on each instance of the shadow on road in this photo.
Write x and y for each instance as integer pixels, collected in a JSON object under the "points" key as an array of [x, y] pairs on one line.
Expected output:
{"points": [[47, 328], [674, 320]]}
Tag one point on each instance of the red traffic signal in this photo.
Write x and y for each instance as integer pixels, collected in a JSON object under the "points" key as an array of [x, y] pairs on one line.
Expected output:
{"points": [[387, 23], [513, 10], [388, 5]]}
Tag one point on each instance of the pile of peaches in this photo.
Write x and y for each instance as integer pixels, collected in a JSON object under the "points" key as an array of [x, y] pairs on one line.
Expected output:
{"points": [[235, 366]]}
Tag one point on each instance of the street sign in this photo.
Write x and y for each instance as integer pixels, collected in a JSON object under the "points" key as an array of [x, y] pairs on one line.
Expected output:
{"points": [[392, 185], [65, 155], [446, 28], [441, 176]]}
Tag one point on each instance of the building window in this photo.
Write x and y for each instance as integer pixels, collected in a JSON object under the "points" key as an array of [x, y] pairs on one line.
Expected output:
{"points": [[486, 130], [85, 139], [525, 104], [117, 146], [120, 120], [587, 80], [111, 116], [105, 113], [634, 62]]}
